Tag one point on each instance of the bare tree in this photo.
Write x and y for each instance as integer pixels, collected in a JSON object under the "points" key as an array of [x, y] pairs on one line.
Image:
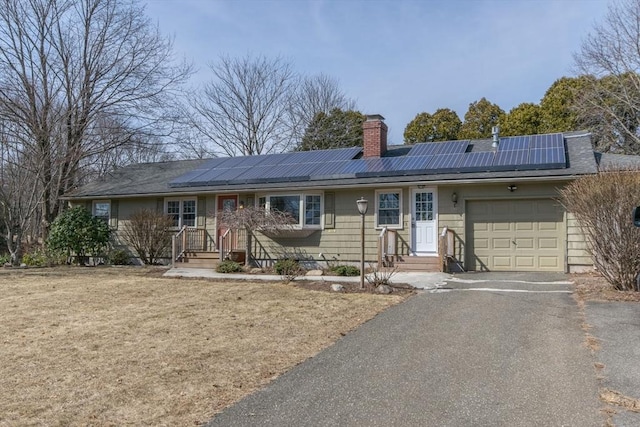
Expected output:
{"points": [[245, 109], [254, 219], [20, 193], [316, 94], [147, 231], [611, 237], [610, 104], [69, 70]]}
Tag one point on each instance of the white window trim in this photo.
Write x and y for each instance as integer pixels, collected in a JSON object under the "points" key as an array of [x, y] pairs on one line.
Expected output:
{"points": [[93, 208], [399, 226], [180, 215], [302, 206]]}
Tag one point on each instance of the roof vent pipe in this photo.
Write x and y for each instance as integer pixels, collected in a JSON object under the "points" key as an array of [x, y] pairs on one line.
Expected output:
{"points": [[495, 132]]}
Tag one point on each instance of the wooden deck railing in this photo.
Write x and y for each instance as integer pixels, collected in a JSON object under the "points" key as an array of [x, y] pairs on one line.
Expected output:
{"points": [[187, 239], [232, 240], [446, 249], [383, 243]]}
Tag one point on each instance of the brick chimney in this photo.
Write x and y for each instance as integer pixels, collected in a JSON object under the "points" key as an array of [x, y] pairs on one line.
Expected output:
{"points": [[375, 136]]}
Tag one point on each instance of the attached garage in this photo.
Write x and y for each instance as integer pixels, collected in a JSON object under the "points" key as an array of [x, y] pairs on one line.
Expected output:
{"points": [[515, 235]]}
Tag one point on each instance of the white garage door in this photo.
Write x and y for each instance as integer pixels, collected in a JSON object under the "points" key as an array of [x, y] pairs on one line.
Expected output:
{"points": [[515, 235]]}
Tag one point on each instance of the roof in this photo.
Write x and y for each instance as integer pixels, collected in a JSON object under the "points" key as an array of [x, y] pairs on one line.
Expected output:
{"points": [[438, 162], [608, 161]]}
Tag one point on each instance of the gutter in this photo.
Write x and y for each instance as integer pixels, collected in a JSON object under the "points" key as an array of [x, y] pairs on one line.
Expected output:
{"points": [[205, 190]]}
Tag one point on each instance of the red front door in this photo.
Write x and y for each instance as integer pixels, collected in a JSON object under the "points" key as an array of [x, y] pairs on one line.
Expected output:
{"points": [[226, 203]]}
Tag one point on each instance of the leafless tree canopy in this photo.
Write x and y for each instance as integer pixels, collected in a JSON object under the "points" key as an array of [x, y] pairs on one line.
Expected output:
{"points": [[258, 105], [316, 94], [611, 103], [147, 231], [244, 111], [78, 79]]}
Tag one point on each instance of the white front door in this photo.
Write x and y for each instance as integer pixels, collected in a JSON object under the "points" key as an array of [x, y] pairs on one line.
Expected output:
{"points": [[424, 226]]}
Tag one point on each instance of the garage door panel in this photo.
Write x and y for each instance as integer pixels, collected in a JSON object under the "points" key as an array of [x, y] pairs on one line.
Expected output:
{"points": [[548, 226], [525, 262], [525, 243], [500, 226], [548, 243], [526, 235], [481, 226], [501, 243], [524, 226], [482, 243], [503, 262], [549, 263]]}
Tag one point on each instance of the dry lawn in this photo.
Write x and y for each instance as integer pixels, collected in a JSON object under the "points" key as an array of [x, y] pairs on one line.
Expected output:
{"points": [[124, 346], [593, 287]]}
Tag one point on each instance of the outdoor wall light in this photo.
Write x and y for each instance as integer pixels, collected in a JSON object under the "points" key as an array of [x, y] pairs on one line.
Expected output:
{"points": [[241, 204], [512, 188], [454, 198]]}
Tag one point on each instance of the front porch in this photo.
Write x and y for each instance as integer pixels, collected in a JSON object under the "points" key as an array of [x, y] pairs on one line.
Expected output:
{"points": [[195, 248]]}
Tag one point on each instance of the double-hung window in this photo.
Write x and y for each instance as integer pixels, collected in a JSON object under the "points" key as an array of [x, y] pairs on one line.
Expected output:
{"points": [[102, 210], [304, 210], [389, 209], [182, 212]]}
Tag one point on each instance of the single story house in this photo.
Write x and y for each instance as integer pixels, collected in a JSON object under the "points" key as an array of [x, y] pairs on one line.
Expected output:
{"points": [[479, 204]]}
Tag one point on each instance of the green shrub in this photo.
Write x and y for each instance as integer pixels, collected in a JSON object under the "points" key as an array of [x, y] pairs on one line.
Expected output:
{"points": [[119, 257], [345, 270], [288, 268], [78, 233], [37, 258], [228, 266], [5, 259]]}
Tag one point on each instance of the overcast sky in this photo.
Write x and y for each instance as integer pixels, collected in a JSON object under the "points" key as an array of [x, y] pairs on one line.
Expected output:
{"points": [[395, 58]]}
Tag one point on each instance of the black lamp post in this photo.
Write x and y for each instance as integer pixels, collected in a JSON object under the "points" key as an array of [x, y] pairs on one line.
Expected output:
{"points": [[362, 208]]}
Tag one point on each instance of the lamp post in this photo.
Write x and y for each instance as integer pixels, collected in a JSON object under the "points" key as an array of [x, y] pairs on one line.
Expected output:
{"points": [[362, 208]]}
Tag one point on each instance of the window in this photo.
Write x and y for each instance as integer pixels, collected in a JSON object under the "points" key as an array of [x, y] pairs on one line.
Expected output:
{"points": [[102, 210], [304, 209], [182, 212], [312, 210], [389, 209]]}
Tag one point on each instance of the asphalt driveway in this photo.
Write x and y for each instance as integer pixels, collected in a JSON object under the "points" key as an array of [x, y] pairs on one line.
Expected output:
{"points": [[616, 325], [447, 357]]}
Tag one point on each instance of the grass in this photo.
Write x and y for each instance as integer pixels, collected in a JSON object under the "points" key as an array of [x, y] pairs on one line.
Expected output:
{"points": [[123, 346]]}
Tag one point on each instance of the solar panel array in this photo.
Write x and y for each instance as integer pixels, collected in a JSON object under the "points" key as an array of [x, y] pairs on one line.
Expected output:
{"points": [[513, 153]]}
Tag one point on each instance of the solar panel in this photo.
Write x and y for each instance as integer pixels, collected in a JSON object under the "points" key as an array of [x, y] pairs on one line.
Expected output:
{"points": [[547, 156], [445, 161], [413, 163], [481, 160], [511, 158], [451, 147], [355, 166], [332, 170], [513, 153], [514, 143], [555, 140], [423, 149], [376, 167]]}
